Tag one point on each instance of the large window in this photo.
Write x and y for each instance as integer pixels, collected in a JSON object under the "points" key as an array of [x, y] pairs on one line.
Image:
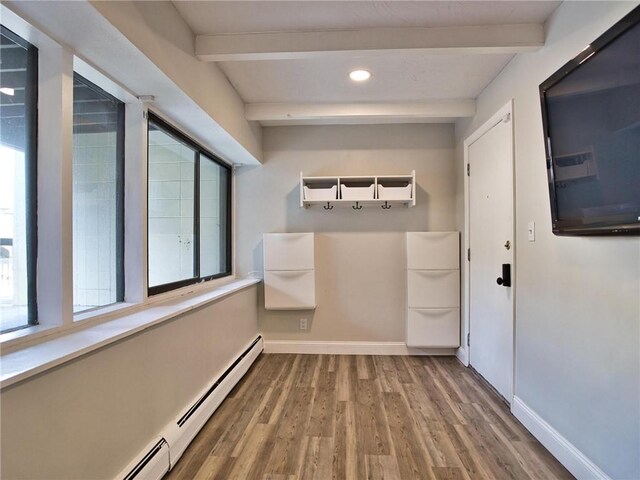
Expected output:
{"points": [[18, 121], [98, 191], [189, 206]]}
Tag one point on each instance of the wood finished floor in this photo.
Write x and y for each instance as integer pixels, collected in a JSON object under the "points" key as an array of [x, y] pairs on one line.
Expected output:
{"points": [[364, 417]]}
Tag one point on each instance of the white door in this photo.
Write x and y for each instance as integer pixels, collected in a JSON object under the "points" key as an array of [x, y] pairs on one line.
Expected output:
{"points": [[491, 241]]}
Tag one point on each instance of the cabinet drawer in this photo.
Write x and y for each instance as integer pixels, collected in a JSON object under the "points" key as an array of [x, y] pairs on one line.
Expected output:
{"points": [[290, 290], [433, 250], [433, 288], [434, 327], [288, 251]]}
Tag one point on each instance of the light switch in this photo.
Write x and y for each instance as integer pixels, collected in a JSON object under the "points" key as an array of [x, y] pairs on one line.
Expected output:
{"points": [[532, 231]]}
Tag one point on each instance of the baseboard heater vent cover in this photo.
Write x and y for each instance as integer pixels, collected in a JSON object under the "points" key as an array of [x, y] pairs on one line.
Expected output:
{"points": [[153, 465], [162, 454]]}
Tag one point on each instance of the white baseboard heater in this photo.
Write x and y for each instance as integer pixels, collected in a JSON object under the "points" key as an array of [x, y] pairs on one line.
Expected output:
{"points": [[162, 454]]}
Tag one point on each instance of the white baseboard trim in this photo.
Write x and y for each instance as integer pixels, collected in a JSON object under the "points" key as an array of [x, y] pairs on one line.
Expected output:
{"points": [[350, 348], [566, 453], [462, 354]]}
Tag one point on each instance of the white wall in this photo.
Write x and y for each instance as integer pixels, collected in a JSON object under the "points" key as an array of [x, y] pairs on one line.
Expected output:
{"points": [[88, 418], [577, 299], [360, 255]]}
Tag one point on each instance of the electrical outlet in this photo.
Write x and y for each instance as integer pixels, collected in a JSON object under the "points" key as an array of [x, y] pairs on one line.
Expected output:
{"points": [[303, 324]]}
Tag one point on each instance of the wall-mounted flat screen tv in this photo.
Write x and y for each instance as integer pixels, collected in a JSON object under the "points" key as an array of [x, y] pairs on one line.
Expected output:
{"points": [[591, 121]]}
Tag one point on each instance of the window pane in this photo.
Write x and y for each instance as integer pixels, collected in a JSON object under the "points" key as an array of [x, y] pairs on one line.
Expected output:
{"points": [[213, 217], [97, 199], [189, 211], [171, 202], [17, 100]]}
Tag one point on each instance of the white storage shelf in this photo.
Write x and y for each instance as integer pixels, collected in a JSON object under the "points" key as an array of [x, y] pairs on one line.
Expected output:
{"points": [[433, 251], [289, 271], [384, 191], [433, 327], [289, 290], [433, 289], [288, 251]]}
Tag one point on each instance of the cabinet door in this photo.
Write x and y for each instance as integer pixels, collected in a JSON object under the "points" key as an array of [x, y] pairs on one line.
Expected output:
{"points": [[434, 327], [433, 288], [288, 251], [433, 251], [289, 290]]}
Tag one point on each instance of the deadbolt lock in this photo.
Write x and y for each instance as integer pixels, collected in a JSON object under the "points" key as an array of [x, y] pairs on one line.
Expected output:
{"points": [[507, 245]]}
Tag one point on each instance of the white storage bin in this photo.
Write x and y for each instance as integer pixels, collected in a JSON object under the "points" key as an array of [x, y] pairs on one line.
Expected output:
{"points": [[394, 193], [433, 288], [288, 251], [433, 327], [289, 290], [330, 193], [433, 250], [357, 193]]}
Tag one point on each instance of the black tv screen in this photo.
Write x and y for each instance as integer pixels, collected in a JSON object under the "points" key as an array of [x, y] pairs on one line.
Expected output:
{"points": [[591, 120]]}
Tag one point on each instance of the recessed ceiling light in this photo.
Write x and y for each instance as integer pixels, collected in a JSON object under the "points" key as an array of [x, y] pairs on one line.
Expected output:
{"points": [[360, 75], [8, 91]]}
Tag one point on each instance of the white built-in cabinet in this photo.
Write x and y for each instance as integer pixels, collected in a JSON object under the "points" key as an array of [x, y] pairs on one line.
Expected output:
{"points": [[433, 289], [289, 271]]}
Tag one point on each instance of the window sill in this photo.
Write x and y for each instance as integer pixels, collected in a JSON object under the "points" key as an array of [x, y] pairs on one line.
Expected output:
{"points": [[25, 337], [17, 336], [32, 360]]}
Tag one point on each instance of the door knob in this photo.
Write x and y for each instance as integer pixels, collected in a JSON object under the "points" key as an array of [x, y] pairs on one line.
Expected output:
{"points": [[505, 280]]}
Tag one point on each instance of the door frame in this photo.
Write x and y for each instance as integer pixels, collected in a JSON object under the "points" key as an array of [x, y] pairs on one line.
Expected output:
{"points": [[464, 352]]}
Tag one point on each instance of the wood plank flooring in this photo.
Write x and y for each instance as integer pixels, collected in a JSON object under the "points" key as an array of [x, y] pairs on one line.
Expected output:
{"points": [[364, 417]]}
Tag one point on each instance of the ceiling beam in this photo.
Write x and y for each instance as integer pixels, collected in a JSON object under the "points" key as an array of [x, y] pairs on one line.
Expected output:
{"points": [[295, 45], [356, 112]]}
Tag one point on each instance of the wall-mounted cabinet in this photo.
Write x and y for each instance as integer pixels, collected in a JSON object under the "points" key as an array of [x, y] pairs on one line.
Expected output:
{"points": [[289, 271], [433, 289], [381, 191]]}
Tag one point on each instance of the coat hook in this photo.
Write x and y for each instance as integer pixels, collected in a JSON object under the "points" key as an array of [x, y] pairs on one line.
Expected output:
{"points": [[386, 206], [357, 206], [328, 206]]}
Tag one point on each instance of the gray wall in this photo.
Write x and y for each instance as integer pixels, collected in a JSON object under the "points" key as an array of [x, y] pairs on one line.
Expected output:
{"points": [[88, 418], [360, 277], [577, 299]]}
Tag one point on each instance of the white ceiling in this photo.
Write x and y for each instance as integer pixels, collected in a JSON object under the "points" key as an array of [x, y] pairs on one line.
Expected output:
{"points": [[397, 76]]}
